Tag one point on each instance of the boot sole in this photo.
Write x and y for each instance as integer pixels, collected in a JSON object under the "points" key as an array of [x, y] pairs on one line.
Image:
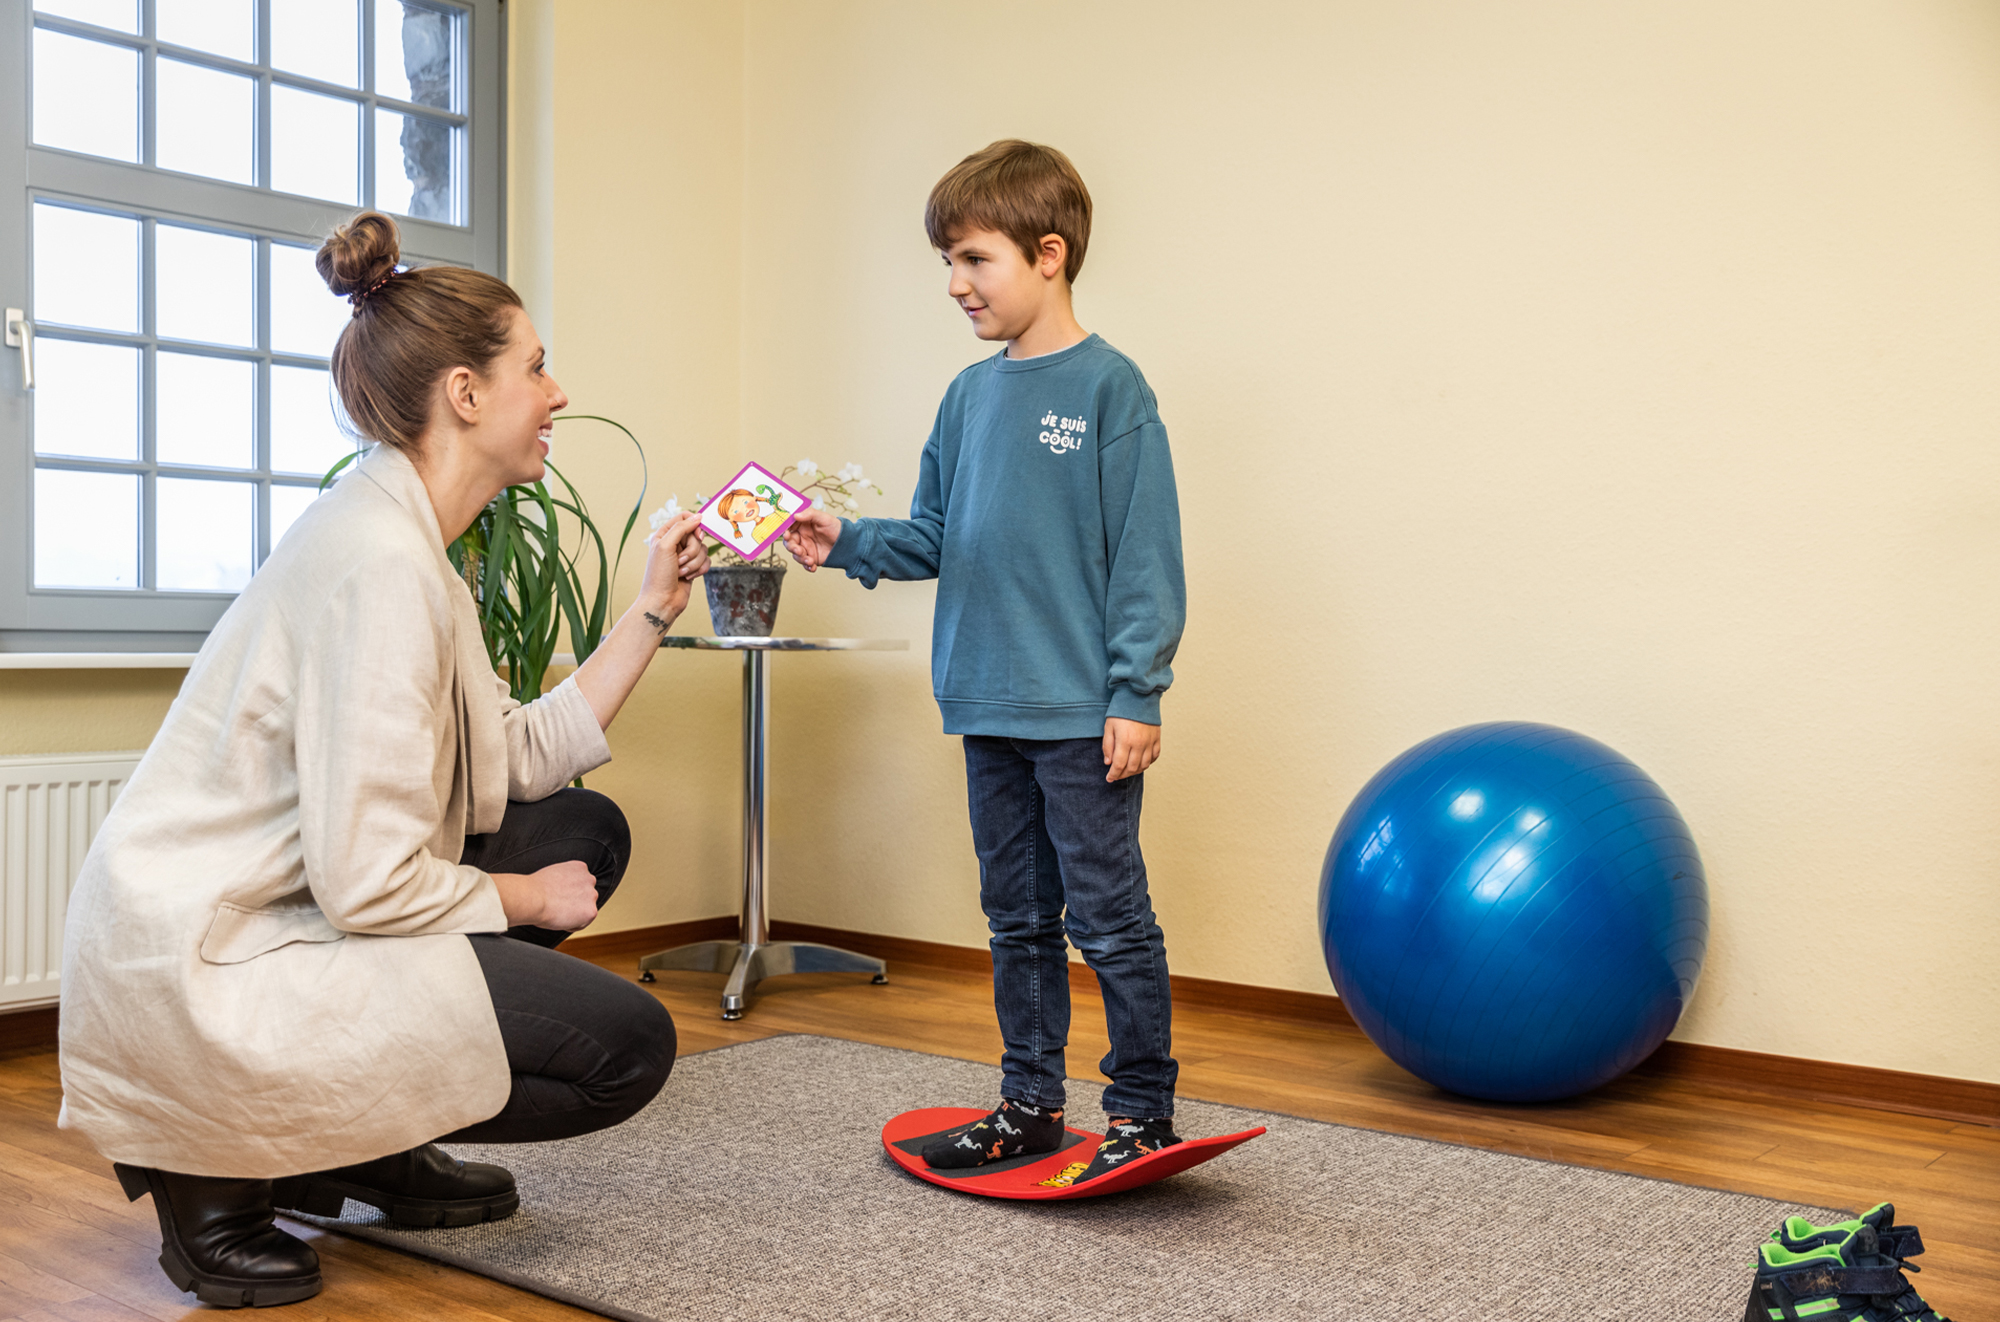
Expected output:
{"points": [[318, 1197], [233, 1291]]}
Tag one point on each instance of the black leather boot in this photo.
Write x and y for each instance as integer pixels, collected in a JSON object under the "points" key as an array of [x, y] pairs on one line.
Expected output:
{"points": [[217, 1240], [425, 1186]]}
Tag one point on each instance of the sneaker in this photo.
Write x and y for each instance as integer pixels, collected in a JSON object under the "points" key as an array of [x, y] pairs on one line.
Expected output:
{"points": [[1799, 1234], [1843, 1276], [1128, 1137], [1014, 1129]]}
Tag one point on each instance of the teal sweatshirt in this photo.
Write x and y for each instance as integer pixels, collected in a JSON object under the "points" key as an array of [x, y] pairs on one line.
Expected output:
{"points": [[1045, 508]]}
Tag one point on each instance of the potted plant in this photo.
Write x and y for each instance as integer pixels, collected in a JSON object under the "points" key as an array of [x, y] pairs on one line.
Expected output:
{"points": [[743, 594]]}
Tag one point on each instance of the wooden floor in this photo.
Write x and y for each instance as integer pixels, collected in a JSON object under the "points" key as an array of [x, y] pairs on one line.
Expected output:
{"points": [[72, 1248]]}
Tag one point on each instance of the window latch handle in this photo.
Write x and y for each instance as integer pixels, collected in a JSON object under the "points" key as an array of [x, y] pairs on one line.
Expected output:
{"points": [[21, 335]]}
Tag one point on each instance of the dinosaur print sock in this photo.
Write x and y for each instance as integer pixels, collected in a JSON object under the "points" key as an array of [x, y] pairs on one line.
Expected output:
{"points": [[1015, 1129], [1129, 1137]]}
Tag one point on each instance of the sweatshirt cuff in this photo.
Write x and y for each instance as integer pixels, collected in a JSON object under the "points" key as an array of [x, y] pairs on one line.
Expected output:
{"points": [[1129, 706], [846, 546]]}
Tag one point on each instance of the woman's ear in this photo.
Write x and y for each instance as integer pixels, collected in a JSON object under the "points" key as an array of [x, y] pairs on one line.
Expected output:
{"points": [[1053, 255], [461, 395]]}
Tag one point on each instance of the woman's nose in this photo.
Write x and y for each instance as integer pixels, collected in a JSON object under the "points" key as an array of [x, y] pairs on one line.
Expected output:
{"points": [[557, 399]]}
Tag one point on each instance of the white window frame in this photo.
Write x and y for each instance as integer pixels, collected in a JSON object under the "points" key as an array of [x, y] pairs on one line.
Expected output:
{"points": [[144, 620]]}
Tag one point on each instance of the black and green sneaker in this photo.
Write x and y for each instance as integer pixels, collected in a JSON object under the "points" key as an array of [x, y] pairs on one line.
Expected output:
{"points": [[1838, 1274], [1894, 1246]]}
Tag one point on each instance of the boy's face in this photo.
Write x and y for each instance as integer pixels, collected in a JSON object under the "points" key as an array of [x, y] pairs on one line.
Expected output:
{"points": [[999, 289]]}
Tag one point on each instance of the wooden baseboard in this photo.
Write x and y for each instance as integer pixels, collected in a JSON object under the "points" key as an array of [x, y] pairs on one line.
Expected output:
{"points": [[1967, 1101], [637, 941]]}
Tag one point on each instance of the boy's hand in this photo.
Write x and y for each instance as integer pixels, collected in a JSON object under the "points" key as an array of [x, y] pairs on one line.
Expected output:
{"points": [[1129, 747], [811, 537]]}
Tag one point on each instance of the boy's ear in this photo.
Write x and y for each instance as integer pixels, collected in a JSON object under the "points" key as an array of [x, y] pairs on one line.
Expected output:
{"points": [[1052, 256]]}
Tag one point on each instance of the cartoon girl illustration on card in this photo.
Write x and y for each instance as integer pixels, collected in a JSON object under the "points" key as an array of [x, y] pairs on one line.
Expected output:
{"points": [[740, 510]]}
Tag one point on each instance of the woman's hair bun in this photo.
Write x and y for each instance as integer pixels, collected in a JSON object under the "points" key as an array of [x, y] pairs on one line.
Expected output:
{"points": [[360, 254]]}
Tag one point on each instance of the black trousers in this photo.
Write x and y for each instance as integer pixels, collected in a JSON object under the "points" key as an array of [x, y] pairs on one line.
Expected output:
{"points": [[587, 1049]]}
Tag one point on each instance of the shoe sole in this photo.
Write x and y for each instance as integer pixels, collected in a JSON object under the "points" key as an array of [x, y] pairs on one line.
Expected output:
{"points": [[327, 1197], [234, 1291]]}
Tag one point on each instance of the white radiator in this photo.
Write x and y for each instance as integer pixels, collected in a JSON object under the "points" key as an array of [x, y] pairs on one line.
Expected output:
{"points": [[50, 807]]}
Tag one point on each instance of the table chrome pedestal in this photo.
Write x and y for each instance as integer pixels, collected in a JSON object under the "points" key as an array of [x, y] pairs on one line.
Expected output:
{"points": [[754, 957]]}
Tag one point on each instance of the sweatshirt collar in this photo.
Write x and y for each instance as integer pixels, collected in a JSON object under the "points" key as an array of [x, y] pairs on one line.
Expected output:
{"points": [[1002, 363]]}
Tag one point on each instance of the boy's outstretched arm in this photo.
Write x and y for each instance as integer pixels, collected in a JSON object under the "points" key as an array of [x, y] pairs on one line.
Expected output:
{"points": [[875, 549]]}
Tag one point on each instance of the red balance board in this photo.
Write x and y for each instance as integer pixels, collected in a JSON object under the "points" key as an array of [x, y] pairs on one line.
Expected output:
{"points": [[905, 1137]]}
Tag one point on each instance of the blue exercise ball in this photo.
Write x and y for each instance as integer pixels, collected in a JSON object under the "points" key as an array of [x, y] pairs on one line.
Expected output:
{"points": [[1514, 912]]}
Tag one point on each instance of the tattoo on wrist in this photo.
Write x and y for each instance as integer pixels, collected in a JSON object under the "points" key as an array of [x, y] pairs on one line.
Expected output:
{"points": [[657, 622]]}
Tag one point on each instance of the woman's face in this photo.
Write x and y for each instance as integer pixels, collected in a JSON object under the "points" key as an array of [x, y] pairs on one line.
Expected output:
{"points": [[517, 415]]}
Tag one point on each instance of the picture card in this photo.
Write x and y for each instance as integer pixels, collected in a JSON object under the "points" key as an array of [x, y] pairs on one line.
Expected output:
{"points": [[752, 510]]}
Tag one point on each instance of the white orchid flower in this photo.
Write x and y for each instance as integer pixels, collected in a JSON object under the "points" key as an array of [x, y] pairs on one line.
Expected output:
{"points": [[807, 468], [851, 503], [819, 502], [851, 473]]}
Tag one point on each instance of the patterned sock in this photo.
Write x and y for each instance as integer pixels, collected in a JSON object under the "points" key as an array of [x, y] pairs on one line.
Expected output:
{"points": [[1129, 1137], [1016, 1129]]}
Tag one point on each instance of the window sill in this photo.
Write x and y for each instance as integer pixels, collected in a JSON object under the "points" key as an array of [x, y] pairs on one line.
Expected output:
{"points": [[96, 660]]}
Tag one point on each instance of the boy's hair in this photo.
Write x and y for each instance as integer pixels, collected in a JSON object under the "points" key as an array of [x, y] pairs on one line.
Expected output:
{"points": [[1023, 190]]}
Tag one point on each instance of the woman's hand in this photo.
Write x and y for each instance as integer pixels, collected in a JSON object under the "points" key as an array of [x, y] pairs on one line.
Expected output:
{"points": [[561, 897], [811, 538], [675, 560]]}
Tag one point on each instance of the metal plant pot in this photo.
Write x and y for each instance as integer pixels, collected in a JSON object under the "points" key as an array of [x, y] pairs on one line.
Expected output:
{"points": [[743, 599]]}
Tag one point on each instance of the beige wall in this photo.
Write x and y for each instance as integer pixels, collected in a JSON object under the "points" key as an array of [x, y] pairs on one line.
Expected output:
{"points": [[1642, 355]]}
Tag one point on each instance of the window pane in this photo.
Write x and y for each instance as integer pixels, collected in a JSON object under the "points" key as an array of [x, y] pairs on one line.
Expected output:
{"points": [[287, 503], [86, 96], [315, 145], [86, 268], [219, 26], [205, 117], [120, 14], [317, 38], [202, 285], [305, 438], [86, 529], [86, 399], [414, 53], [205, 411], [413, 173], [306, 316], [206, 530]]}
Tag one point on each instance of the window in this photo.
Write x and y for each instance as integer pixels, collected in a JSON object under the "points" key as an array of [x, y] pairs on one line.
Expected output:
{"points": [[160, 205]]}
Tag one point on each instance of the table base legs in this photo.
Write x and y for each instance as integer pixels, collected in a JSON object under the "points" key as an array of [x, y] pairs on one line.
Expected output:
{"points": [[748, 965]]}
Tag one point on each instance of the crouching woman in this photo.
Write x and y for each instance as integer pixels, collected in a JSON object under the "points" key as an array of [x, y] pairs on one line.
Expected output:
{"points": [[313, 935]]}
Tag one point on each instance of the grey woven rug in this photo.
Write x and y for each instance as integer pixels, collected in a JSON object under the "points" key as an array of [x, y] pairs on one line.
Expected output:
{"points": [[755, 1188]]}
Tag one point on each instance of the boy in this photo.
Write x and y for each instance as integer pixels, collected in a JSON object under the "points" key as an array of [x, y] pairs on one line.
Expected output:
{"points": [[1045, 508]]}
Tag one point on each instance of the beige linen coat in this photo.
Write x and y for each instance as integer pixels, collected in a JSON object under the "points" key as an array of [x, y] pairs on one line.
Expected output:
{"points": [[265, 968]]}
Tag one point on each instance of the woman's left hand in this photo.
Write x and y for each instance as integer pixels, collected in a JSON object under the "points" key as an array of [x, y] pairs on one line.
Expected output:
{"points": [[676, 559]]}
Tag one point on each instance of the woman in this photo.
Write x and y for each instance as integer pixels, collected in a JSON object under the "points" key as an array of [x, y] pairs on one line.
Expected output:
{"points": [[284, 972]]}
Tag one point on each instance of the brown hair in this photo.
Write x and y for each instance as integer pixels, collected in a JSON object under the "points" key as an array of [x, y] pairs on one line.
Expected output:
{"points": [[1022, 189], [409, 328]]}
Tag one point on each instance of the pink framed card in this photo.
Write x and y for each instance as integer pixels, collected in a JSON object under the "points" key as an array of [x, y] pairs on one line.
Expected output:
{"points": [[752, 511]]}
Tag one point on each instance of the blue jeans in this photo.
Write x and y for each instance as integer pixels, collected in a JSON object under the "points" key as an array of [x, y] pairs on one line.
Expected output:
{"points": [[1058, 847]]}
